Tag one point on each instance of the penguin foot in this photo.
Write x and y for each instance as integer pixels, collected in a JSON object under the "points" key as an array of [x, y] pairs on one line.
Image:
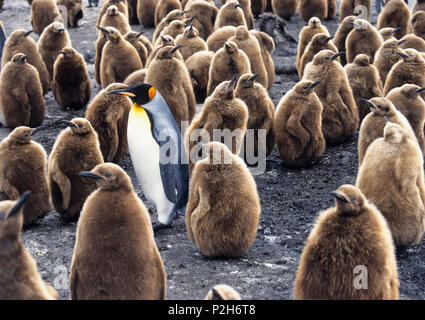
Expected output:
{"points": [[159, 226]]}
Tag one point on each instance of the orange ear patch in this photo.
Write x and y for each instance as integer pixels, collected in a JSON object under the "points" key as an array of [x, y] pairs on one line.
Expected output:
{"points": [[151, 93]]}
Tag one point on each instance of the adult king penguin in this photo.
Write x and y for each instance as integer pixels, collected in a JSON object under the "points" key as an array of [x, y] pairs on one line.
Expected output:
{"points": [[155, 145]]}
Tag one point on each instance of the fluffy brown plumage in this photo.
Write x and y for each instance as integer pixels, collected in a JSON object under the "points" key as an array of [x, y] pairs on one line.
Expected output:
{"points": [[222, 292], [217, 39], [135, 39], [164, 7], [74, 9], [146, 12], [190, 41], [198, 66], [418, 24], [267, 47], [230, 14], [313, 8], [346, 8], [341, 34], [205, 14], [386, 57], [395, 14], [284, 9], [43, 13], [120, 4]]}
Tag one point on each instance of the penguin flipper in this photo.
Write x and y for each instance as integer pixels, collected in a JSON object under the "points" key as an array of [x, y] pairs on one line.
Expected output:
{"points": [[8, 188], [64, 185], [168, 183]]}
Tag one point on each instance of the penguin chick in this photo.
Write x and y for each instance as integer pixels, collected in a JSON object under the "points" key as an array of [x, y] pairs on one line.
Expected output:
{"points": [[23, 167], [267, 47], [306, 34], [411, 69], [373, 124], [76, 149], [217, 39], [135, 270], [224, 207], [164, 7], [43, 13], [114, 18], [418, 24], [119, 58], [21, 98], [222, 111], [20, 42], [19, 277], [171, 16], [250, 45], [190, 41], [260, 112], [392, 177], [71, 92], [347, 8], [137, 77], [146, 43], [258, 7], [395, 14], [120, 4], [108, 115], [386, 57], [388, 33], [100, 43], [297, 125], [146, 12], [230, 14], [222, 292], [175, 28], [412, 41], [246, 8], [408, 101], [318, 43], [164, 41], [170, 77], [227, 62], [313, 8], [132, 12], [419, 6], [351, 234], [206, 15], [74, 9], [341, 35], [362, 39], [364, 81], [53, 39], [340, 117], [198, 66], [133, 38], [284, 9]]}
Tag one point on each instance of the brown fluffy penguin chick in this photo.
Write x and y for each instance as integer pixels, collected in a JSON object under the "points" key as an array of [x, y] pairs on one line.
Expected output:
{"points": [[260, 113], [306, 34], [395, 14], [71, 92], [313, 8], [76, 149], [230, 14], [198, 66], [408, 101], [418, 24], [297, 125], [227, 62], [170, 77], [43, 13], [364, 81], [171, 16], [419, 6], [191, 42], [164, 41], [388, 33], [318, 43], [19, 42], [146, 12], [267, 47], [114, 18], [53, 39], [346, 8], [137, 77], [221, 111], [135, 269], [284, 9], [249, 17], [100, 43], [392, 177], [19, 277], [411, 69], [224, 207], [74, 9], [21, 97], [134, 38], [250, 45], [146, 43], [364, 38], [258, 7], [164, 7], [373, 124], [412, 41], [222, 292], [353, 233], [175, 28], [108, 115], [341, 34], [120, 4], [23, 167], [205, 14], [119, 58], [217, 39], [340, 117], [386, 57]]}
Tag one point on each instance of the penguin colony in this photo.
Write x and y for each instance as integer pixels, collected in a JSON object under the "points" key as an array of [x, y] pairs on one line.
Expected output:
{"points": [[204, 54]]}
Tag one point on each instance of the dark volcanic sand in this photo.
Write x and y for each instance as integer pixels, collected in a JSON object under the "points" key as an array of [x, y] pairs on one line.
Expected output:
{"points": [[290, 199]]}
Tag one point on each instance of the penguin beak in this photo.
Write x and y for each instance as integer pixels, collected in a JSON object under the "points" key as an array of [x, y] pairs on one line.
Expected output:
{"points": [[68, 123], [123, 92], [175, 49], [351, 22], [227, 45], [254, 76], [28, 33], [39, 128], [183, 12], [337, 55], [23, 58], [339, 197], [420, 90], [103, 30], [62, 52], [232, 82], [216, 295], [139, 34], [396, 30], [314, 84], [403, 55], [329, 39], [386, 120], [90, 175], [368, 103], [401, 42], [18, 205], [238, 5]]}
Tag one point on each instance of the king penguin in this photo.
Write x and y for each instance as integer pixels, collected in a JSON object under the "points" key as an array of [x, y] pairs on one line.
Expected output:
{"points": [[155, 145]]}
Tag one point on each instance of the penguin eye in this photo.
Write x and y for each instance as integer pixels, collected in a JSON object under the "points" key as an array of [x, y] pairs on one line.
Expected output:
{"points": [[107, 175]]}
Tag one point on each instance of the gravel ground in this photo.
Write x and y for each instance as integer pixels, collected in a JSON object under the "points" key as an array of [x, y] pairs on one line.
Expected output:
{"points": [[290, 199]]}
